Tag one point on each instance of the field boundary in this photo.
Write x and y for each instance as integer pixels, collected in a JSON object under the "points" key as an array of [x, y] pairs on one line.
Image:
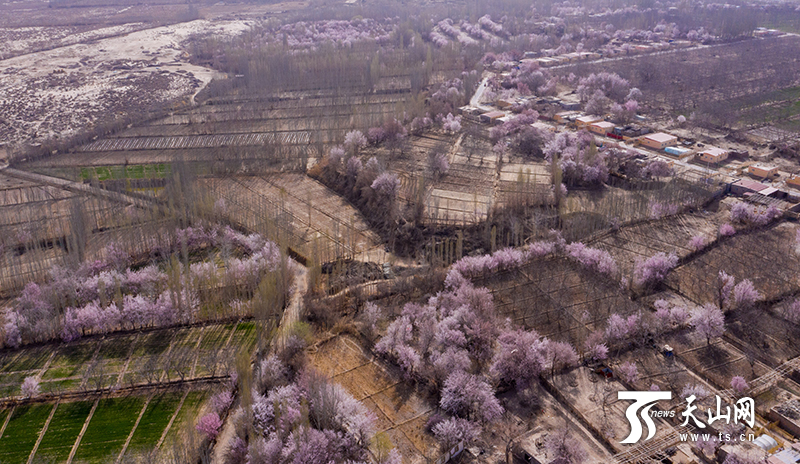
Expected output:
{"points": [[111, 392], [171, 421], [135, 426], [83, 431], [42, 432], [8, 419]]}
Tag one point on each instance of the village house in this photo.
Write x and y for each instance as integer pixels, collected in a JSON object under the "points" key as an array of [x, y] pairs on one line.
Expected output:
{"points": [[659, 140]]}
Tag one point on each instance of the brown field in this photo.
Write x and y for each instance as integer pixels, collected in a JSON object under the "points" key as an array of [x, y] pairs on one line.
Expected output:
{"points": [[669, 235], [766, 257], [314, 220], [465, 194], [399, 410], [551, 296], [37, 222], [224, 135]]}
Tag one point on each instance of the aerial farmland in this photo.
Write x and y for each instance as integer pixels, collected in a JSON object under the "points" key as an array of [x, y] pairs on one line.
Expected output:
{"points": [[416, 232]]}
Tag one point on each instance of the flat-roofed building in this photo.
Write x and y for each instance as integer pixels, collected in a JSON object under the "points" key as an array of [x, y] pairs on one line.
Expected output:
{"points": [[491, 116], [713, 155], [564, 117], [762, 170], [788, 416], [584, 121], [743, 186], [659, 140], [601, 127]]}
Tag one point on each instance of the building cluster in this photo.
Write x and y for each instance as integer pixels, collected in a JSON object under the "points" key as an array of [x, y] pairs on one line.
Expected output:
{"points": [[617, 47]]}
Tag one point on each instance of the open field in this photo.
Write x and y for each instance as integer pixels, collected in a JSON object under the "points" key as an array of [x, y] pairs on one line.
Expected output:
{"points": [[140, 363], [109, 423], [552, 295], [121, 74], [128, 360], [400, 410], [670, 235], [278, 129], [109, 427], [297, 208], [766, 257]]}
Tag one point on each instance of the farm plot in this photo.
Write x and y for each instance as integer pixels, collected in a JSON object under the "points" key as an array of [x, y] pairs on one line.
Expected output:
{"points": [[465, 195], [68, 162], [68, 365], [315, 220], [763, 335], [237, 119], [128, 360], [154, 422], [63, 430], [766, 257], [550, 416], [139, 171], [17, 366], [193, 403], [321, 99], [654, 368], [520, 179], [22, 431], [412, 167], [400, 412], [556, 297], [668, 235], [716, 362], [108, 429], [35, 222], [196, 141]]}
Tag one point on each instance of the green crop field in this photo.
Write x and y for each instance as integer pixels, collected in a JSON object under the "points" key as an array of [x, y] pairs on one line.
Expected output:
{"points": [[152, 344], [138, 171], [214, 338], [63, 430], [117, 348], [75, 353], [154, 421], [22, 432], [12, 379], [109, 428], [245, 335], [188, 413], [146, 360], [186, 337], [58, 386], [33, 358]]}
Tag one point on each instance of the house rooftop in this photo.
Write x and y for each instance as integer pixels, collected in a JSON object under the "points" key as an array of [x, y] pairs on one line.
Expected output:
{"points": [[763, 166], [714, 151], [660, 137], [604, 124], [589, 119], [788, 455], [752, 185]]}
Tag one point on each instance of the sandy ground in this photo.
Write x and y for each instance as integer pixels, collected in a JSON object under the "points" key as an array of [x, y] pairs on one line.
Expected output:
{"points": [[93, 79], [19, 40]]}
